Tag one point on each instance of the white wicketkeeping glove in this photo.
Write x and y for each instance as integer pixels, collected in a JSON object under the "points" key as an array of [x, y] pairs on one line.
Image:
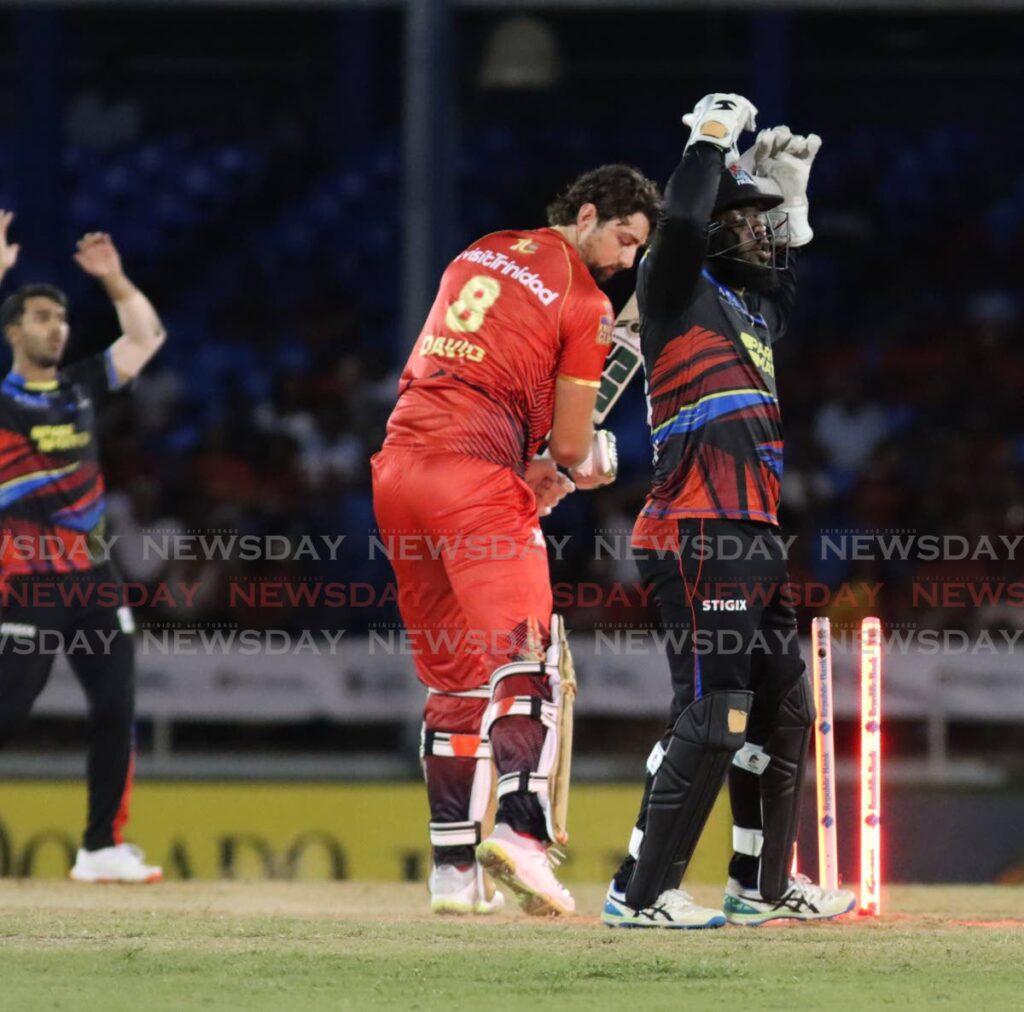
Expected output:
{"points": [[719, 119], [780, 162], [601, 465], [748, 163]]}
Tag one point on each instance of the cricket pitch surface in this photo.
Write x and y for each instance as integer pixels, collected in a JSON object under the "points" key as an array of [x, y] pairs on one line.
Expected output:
{"points": [[356, 945]]}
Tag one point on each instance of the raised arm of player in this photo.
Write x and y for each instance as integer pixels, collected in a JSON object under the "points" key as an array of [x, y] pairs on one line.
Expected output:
{"points": [[142, 333], [784, 160], [672, 266], [8, 251]]}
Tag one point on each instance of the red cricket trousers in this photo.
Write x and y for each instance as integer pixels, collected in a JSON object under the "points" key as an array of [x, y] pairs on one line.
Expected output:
{"points": [[470, 560], [474, 592]]}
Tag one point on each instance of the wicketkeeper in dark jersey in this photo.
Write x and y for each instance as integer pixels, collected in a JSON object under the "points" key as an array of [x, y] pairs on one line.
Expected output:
{"points": [[56, 589], [715, 291]]}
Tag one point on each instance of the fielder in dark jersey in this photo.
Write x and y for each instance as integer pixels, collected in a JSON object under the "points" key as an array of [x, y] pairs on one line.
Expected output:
{"points": [[51, 488], [56, 589], [715, 291]]}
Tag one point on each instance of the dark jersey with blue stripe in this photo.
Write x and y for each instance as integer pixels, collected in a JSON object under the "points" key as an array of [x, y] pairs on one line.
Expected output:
{"points": [[51, 489], [713, 406]]}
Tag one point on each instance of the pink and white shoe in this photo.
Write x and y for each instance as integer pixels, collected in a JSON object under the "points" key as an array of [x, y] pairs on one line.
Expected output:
{"points": [[524, 864], [458, 890]]}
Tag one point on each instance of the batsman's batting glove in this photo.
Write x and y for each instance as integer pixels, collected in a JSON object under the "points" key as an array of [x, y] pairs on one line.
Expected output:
{"points": [[548, 484], [785, 159], [601, 465], [719, 119]]}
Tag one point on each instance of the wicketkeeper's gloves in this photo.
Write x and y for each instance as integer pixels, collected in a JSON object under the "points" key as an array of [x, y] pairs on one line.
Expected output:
{"points": [[785, 159], [719, 119]]}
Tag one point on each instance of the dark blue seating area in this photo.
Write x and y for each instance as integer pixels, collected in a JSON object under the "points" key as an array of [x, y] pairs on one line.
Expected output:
{"points": [[158, 195]]}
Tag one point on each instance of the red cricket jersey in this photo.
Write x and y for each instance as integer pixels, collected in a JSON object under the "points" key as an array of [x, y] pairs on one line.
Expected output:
{"points": [[513, 312]]}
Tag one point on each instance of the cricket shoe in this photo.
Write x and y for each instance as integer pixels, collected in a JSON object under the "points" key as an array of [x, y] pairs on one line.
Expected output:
{"points": [[121, 863], [804, 901], [525, 866], [461, 889], [674, 908]]}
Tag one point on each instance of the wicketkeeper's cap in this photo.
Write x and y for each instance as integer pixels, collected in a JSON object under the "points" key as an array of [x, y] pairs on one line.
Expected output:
{"points": [[736, 188]]}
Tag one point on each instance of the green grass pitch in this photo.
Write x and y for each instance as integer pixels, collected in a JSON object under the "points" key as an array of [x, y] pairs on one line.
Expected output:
{"points": [[309, 946]]}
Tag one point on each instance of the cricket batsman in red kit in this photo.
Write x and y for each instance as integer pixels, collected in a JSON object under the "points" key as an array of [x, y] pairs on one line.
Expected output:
{"points": [[509, 359]]}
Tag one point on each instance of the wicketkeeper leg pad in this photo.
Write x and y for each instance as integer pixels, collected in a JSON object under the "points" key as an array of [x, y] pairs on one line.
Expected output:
{"points": [[688, 770], [529, 723], [781, 781]]}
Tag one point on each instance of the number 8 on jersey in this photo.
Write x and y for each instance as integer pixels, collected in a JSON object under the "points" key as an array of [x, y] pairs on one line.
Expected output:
{"points": [[466, 314]]}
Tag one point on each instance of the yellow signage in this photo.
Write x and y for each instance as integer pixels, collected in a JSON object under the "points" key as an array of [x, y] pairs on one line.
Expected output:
{"points": [[369, 831]]}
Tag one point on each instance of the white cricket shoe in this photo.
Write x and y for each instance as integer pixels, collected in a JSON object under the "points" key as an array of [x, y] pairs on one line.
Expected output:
{"points": [[455, 890], [121, 863], [524, 865], [674, 908], [804, 901]]}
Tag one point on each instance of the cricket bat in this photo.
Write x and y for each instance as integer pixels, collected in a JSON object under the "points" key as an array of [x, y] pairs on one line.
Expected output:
{"points": [[562, 773], [623, 360], [619, 368]]}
